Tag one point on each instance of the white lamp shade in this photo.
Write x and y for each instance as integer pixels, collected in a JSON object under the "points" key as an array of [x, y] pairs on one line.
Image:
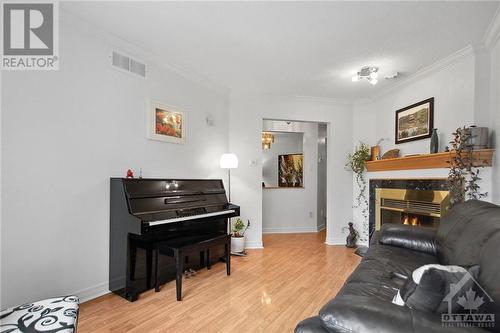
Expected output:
{"points": [[228, 161]]}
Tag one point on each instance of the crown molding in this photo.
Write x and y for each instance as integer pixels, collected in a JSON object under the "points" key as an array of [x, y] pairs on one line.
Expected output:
{"points": [[84, 26], [433, 68], [314, 99], [492, 34], [326, 100]]}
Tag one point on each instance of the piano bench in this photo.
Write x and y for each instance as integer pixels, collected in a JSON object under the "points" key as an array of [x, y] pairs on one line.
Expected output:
{"points": [[178, 248]]}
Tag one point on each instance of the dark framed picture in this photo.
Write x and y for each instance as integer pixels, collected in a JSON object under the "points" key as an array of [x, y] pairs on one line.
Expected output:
{"points": [[415, 122], [291, 170]]}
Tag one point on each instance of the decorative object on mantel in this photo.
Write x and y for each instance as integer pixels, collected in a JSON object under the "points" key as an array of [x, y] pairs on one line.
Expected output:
{"points": [[352, 237], [375, 150], [238, 230], [374, 153], [463, 177], [130, 174], [267, 138], [434, 141], [479, 137], [415, 122], [483, 157], [393, 153], [356, 162], [166, 123]]}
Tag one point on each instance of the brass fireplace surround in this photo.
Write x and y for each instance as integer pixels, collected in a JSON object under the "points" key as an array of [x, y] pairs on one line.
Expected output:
{"points": [[423, 202]]}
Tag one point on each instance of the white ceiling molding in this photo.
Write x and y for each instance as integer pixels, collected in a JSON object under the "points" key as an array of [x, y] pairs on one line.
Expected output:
{"points": [[433, 68], [115, 41], [492, 34], [325, 100]]}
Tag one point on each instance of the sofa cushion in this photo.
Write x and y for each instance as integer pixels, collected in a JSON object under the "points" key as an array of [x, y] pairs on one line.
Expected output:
{"points": [[399, 260], [383, 270], [489, 277], [359, 314], [310, 325], [464, 230]]}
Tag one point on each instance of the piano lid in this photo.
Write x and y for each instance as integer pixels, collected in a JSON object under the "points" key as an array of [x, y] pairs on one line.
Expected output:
{"points": [[171, 197]]}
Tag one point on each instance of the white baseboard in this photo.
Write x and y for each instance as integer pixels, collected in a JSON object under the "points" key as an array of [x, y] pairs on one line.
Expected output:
{"points": [[321, 227], [254, 245], [289, 230], [93, 292], [335, 241]]}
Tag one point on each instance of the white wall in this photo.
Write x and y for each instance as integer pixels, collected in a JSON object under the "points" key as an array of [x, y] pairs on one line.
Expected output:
{"points": [[246, 114], [294, 209], [453, 87], [495, 118], [284, 143], [453, 90], [64, 133]]}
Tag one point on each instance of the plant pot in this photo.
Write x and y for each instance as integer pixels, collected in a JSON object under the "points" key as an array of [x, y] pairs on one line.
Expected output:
{"points": [[237, 244]]}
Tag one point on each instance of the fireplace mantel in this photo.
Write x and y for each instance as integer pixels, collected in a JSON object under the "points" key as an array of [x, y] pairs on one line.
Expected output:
{"points": [[482, 157]]}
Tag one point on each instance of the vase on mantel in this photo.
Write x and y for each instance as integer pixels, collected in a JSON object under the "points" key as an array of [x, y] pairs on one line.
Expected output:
{"points": [[434, 141]]}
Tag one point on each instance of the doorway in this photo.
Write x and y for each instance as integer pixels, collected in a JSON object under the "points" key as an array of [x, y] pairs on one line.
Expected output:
{"points": [[294, 171]]}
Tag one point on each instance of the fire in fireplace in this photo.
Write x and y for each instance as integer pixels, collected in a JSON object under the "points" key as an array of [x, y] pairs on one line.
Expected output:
{"points": [[410, 219], [422, 208]]}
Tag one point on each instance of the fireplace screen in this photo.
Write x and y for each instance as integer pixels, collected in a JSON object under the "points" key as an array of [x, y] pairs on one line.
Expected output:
{"points": [[391, 216], [411, 207]]}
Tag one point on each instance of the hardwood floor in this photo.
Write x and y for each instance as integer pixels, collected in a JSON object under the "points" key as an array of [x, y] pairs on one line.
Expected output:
{"points": [[269, 290]]}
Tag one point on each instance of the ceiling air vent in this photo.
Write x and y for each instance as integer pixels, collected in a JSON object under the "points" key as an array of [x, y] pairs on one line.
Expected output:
{"points": [[125, 63]]}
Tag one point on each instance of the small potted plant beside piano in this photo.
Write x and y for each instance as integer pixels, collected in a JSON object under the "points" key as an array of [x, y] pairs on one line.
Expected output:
{"points": [[238, 229]]}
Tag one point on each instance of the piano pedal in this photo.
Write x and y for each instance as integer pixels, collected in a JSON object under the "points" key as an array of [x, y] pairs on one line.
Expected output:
{"points": [[189, 273]]}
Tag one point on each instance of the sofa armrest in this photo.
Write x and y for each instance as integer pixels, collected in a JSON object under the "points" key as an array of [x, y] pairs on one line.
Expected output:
{"points": [[349, 313], [310, 325], [409, 237]]}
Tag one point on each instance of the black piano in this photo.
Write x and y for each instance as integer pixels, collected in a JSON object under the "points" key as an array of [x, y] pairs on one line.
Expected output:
{"points": [[145, 211]]}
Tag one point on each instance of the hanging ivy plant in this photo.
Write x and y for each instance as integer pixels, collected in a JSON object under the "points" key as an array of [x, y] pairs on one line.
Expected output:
{"points": [[356, 162], [463, 177]]}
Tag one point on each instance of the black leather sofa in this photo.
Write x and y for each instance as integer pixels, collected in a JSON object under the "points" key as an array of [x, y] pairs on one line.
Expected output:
{"points": [[469, 235]]}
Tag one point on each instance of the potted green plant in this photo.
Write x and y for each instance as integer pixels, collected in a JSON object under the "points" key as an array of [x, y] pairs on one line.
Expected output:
{"points": [[357, 162], [238, 230]]}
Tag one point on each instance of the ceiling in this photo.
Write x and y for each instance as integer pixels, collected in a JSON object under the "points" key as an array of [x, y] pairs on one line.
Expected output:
{"points": [[298, 48]]}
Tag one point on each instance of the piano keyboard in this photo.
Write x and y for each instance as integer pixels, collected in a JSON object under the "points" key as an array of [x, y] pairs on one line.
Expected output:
{"points": [[193, 217]]}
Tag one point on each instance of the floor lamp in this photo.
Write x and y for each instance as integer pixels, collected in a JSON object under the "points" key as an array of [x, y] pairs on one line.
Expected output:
{"points": [[229, 161]]}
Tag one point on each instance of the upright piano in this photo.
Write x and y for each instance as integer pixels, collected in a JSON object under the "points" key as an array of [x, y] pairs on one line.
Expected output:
{"points": [[145, 211]]}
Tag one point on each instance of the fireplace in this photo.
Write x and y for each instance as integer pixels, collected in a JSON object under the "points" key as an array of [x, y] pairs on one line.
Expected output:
{"points": [[413, 207]]}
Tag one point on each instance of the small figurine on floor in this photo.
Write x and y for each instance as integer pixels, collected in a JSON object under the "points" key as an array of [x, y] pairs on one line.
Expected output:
{"points": [[130, 174], [352, 237]]}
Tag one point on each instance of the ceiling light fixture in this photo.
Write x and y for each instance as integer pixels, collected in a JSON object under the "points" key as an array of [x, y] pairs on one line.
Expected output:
{"points": [[392, 76], [267, 140], [367, 73]]}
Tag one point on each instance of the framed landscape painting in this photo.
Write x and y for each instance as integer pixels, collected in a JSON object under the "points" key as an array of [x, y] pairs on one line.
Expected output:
{"points": [[166, 123], [415, 122], [291, 170]]}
